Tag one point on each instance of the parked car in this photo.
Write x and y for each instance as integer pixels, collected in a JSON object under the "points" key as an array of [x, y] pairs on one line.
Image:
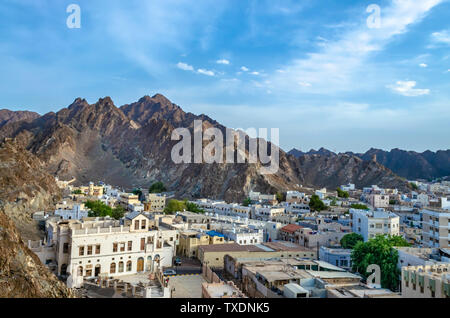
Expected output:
{"points": [[169, 272]]}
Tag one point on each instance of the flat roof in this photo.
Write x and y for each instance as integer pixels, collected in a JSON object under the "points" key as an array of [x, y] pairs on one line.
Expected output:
{"points": [[322, 274], [230, 247], [296, 288], [287, 246]]}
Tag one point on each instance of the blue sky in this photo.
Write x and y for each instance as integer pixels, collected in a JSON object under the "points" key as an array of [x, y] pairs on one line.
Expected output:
{"points": [[312, 68]]}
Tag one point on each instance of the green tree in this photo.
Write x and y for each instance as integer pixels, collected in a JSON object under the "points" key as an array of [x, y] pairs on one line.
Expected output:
{"points": [[379, 250], [350, 240], [342, 193], [78, 191], [359, 206], [98, 209], [137, 192], [157, 187], [333, 202], [175, 206], [316, 204], [192, 207], [247, 202], [118, 212], [281, 196], [413, 186]]}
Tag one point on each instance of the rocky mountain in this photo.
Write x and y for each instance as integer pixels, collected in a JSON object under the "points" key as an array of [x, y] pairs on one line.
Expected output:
{"points": [[9, 116], [322, 151], [24, 188], [131, 146], [407, 164], [413, 165]]}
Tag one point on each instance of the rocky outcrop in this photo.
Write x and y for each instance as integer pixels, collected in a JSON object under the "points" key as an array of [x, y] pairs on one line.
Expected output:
{"points": [[24, 188]]}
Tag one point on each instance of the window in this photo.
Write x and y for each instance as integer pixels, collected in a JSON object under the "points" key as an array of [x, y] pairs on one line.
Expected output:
{"points": [[81, 250], [89, 250], [115, 247], [120, 267], [112, 269], [65, 248], [129, 265], [143, 224], [136, 225], [130, 245], [122, 247], [142, 243], [97, 249]]}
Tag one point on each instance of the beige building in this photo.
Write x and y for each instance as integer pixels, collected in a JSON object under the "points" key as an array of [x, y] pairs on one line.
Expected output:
{"points": [[213, 255], [435, 227], [189, 241], [154, 202], [127, 199], [269, 278], [91, 190], [426, 281]]}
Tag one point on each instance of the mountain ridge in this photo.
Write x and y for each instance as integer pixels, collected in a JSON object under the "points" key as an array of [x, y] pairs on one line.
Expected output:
{"points": [[131, 146], [409, 164]]}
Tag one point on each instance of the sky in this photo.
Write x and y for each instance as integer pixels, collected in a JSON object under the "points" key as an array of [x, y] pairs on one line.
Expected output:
{"points": [[345, 75]]}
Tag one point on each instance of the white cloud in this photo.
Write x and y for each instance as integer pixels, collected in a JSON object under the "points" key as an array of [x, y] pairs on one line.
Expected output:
{"points": [[304, 84], [185, 67], [254, 73], [205, 72], [344, 63], [244, 69], [441, 37], [423, 65], [406, 88], [223, 61]]}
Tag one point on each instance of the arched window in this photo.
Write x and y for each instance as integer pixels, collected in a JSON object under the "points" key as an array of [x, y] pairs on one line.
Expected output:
{"points": [[112, 269], [80, 270], [120, 267], [129, 265]]}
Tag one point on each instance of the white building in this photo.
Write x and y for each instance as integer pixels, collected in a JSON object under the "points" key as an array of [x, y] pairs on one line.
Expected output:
{"points": [[348, 187], [71, 211], [257, 196], [298, 208], [295, 196], [371, 223], [321, 193], [112, 248], [378, 200], [267, 213], [245, 236], [232, 210], [207, 205]]}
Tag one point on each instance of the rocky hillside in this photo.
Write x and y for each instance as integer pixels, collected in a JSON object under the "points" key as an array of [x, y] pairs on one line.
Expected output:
{"points": [[131, 146], [9, 116], [24, 188]]}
